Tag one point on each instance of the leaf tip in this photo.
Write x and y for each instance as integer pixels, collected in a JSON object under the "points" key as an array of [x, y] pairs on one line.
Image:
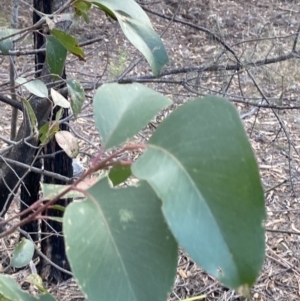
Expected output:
{"points": [[244, 290]]}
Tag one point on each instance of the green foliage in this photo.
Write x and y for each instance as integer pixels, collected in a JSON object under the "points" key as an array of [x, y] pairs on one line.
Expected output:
{"points": [[50, 191], [76, 94], [47, 132], [200, 163], [119, 174], [37, 281], [36, 86], [68, 42], [197, 183], [81, 10], [127, 241], [22, 254], [56, 55], [6, 44], [138, 30], [31, 114], [200, 166], [118, 117], [51, 128], [9, 290]]}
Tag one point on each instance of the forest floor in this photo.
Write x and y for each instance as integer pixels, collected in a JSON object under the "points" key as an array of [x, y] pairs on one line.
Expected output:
{"points": [[256, 31]]}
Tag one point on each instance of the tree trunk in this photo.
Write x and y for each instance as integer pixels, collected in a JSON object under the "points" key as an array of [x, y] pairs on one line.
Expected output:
{"points": [[52, 242]]}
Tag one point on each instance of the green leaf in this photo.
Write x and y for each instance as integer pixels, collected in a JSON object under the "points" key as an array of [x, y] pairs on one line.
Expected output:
{"points": [[36, 280], [47, 132], [11, 291], [44, 133], [31, 114], [59, 114], [119, 173], [81, 9], [22, 254], [121, 111], [120, 236], [200, 163], [58, 207], [68, 143], [36, 86], [56, 55], [50, 191], [7, 44], [59, 100], [55, 219], [77, 95], [2, 298], [138, 30], [68, 42]]}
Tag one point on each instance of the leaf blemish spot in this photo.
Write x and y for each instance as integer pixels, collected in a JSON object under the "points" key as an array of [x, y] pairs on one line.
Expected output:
{"points": [[126, 215]]}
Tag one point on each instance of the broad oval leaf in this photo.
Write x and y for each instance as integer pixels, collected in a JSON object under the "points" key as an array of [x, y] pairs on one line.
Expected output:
{"points": [[200, 163], [36, 86], [7, 44], [120, 236], [11, 291], [56, 55], [68, 143], [77, 95], [121, 111], [68, 42], [22, 253], [138, 30]]}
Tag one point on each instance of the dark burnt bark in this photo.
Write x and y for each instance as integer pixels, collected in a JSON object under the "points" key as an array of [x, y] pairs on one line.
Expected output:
{"points": [[52, 242], [44, 6], [23, 152], [30, 187], [29, 194]]}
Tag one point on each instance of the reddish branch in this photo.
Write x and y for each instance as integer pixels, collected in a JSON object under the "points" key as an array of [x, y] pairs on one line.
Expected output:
{"points": [[39, 206]]}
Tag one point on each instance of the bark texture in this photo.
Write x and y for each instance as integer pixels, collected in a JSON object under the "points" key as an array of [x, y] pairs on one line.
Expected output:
{"points": [[52, 242]]}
